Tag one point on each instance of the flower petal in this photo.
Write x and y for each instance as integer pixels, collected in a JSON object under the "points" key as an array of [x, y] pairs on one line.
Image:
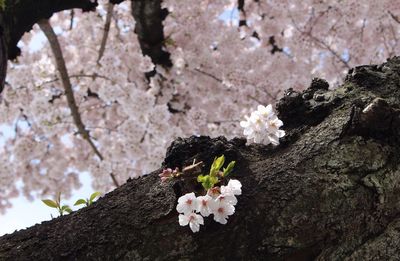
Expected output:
{"points": [[183, 220]]}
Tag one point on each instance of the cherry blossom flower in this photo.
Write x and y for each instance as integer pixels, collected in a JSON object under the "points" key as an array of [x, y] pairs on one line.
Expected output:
{"points": [[219, 201], [145, 64], [168, 174], [227, 198], [187, 203], [234, 187], [214, 192], [194, 220], [228, 192], [263, 126], [222, 210], [265, 111], [165, 175], [204, 205]]}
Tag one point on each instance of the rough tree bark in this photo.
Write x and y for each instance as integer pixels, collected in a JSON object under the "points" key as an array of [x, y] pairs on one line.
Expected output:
{"points": [[330, 191]]}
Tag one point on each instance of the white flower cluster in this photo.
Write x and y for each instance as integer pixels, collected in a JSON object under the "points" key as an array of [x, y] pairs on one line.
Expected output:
{"points": [[219, 201], [263, 126]]}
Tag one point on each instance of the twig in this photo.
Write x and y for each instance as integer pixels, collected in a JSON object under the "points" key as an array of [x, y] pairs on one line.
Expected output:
{"points": [[224, 121], [208, 74], [221, 81], [395, 18], [71, 23], [93, 76], [110, 9], [115, 181], [362, 30], [326, 46], [47, 29], [193, 169], [320, 42]]}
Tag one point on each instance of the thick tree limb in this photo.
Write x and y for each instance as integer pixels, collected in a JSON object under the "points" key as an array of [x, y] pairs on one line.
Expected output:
{"points": [[242, 13], [330, 191], [149, 16], [19, 17], [22, 15], [69, 93]]}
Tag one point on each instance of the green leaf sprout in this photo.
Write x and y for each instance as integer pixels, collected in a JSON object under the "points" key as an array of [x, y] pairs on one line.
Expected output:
{"points": [[57, 205], [209, 181], [216, 165], [65, 208], [88, 201], [229, 169]]}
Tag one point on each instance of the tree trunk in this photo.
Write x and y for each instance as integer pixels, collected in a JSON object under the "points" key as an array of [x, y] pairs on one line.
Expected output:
{"points": [[330, 191]]}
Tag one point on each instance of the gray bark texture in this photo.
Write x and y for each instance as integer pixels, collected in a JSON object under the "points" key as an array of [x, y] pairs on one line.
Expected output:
{"points": [[330, 191]]}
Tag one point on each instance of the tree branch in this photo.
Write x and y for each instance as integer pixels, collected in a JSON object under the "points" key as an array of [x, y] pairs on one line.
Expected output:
{"points": [[394, 17], [22, 15], [77, 76], [149, 16], [320, 42], [273, 97], [242, 13], [63, 71], [110, 9], [71, 23], [208, 75]]}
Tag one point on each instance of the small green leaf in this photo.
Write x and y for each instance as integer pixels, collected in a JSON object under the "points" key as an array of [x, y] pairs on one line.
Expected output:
{"points": [[200, 178], [66, 209], [211, 181], [207, 181], [229, 168], [216, 165], [50, 203], [93, 196], [80, 201]]}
